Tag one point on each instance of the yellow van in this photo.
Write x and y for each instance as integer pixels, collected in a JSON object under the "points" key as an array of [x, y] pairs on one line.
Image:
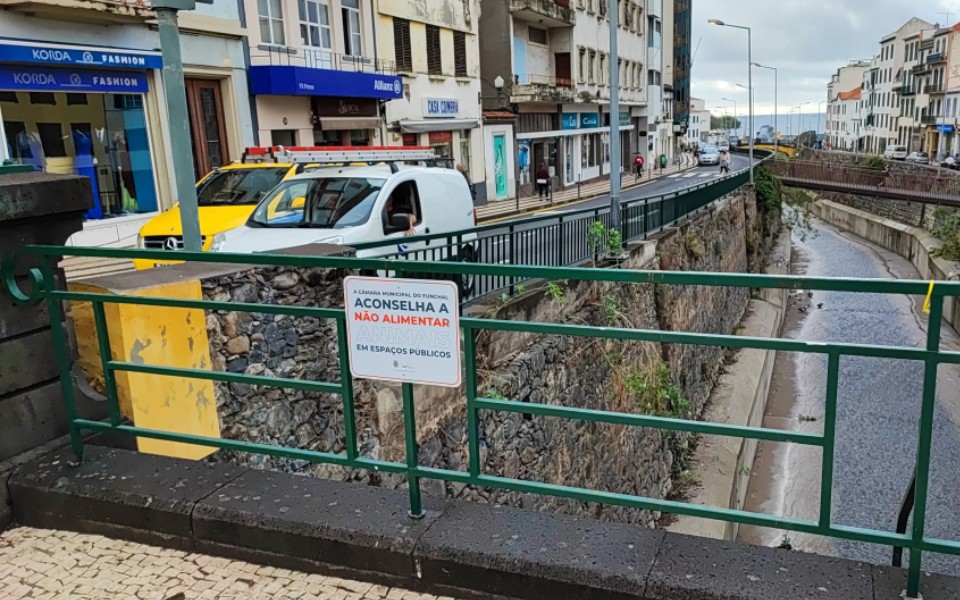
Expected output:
{"points": [[226, 197]]}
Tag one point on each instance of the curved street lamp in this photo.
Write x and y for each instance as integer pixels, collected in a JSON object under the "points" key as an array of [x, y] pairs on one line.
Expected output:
{"points": [[720, 23]]}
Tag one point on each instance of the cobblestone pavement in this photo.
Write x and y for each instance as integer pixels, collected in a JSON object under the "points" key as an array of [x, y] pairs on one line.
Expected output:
{"points": [[40, 563]]}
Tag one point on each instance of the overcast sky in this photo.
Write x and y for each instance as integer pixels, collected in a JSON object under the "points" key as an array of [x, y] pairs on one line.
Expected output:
{"points": [[807, 40]]}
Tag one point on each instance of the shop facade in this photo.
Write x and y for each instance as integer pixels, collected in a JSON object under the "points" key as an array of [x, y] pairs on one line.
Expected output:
{"points": [[96, 106], [85, 110]]}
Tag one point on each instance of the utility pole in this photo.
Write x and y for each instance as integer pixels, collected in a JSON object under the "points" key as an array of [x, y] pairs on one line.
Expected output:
{"points": [[615, 158], [178, 120]]}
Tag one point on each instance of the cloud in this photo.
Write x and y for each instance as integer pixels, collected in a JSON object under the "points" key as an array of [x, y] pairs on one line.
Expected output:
{"points": [[806, 40]]}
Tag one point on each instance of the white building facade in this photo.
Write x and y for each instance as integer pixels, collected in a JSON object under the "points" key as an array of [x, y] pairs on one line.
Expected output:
{"points": [[436, 52], [699, 126]]}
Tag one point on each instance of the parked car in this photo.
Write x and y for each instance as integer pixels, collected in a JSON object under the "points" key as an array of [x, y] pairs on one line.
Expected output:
{"points": [[724, 146], [709, 155], [920, 158], [895, 152], [225, 198], [950, 162], [360, 205]]}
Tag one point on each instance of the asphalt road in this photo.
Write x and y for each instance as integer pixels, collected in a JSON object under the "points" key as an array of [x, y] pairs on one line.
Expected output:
{"points": [[660, 185], [878, 409]]}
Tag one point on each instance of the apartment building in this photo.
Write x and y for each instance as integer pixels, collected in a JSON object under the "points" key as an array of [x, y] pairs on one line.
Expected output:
{"points": [[844, 106], [436, 52], [95, 105], [316, 74], [888, 110], [553, 57], [699, 123], [682, 64]]}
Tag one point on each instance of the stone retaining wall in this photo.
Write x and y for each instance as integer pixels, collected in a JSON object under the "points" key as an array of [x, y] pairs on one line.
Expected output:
{"points": [[581, 372]]}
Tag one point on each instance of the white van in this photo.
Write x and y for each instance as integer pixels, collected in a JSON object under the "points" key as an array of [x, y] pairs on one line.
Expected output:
{"points": [[895, 153], [359, 205]]}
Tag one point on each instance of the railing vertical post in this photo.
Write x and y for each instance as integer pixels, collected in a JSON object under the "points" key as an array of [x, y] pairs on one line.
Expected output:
{"points": [[473, 424], [346, 383], [410, 435], [513, 255], [924, 443], [55, 310], [109, 376], [829, 438], [646, 218], [560, 243]]}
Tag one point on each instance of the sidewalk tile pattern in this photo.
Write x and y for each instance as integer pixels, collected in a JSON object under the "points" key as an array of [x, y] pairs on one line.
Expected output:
{"points": [[44, 564]]}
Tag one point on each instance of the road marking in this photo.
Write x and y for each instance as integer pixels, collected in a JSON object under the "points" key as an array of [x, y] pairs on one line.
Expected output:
{"points": [[709, 174], [689, 175], [674, 175]]}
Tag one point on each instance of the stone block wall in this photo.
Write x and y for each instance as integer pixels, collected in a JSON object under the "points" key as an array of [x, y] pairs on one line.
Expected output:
{"points": [[577, 372], [35, 208], [911, 213]]}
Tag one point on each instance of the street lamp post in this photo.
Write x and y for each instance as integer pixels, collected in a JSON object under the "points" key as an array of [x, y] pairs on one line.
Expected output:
{"points": [[615, 159], [736, 114], [776, 99], [720, 23], [177, 115]]}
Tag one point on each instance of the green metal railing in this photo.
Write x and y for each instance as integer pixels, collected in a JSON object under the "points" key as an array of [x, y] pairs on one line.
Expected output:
{"points": [[42, 286], [525, 241]]}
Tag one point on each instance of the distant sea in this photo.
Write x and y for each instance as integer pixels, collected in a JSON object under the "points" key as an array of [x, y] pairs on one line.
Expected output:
{"points": [[808, 121]]}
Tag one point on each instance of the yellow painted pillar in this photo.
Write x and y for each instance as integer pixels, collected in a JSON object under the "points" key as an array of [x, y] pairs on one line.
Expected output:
{"points": [[153, 335]]}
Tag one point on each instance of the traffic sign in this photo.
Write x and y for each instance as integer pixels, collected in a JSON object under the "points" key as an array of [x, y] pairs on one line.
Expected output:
{"points": [[404, 330]]}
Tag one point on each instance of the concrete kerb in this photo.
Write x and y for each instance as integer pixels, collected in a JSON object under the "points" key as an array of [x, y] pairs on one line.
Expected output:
{"points": [[722, 465], [461, 549]]}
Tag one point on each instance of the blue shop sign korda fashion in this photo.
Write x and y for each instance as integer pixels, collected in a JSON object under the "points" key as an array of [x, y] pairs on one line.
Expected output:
{"points": [[30, 52], [53, 79]]}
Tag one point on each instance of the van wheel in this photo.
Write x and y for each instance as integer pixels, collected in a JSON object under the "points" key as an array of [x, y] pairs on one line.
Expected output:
{"points": [[466, 283]]}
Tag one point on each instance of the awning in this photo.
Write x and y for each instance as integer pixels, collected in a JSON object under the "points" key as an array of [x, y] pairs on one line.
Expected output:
{"points": [[568, 132], [342, 123], [411, 126]]}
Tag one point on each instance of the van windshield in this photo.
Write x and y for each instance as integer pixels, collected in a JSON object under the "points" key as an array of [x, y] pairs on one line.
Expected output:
{"points": [[238, 186], [323, 203]]}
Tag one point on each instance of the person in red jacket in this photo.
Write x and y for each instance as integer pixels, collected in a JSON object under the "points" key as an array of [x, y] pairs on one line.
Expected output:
{"points": [[638, 165], [543, 180]]}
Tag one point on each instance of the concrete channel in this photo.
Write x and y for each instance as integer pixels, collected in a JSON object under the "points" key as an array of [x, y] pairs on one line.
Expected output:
{"points": [[879, 405]]}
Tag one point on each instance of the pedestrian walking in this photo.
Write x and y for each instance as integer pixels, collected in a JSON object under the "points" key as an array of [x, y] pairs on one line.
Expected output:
{"points": [[638, 165], [883, 177], [724, 163], [663, 162], [543, 180], [473, 190]]}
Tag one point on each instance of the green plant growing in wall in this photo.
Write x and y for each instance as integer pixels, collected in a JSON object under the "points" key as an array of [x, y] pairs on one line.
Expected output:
{"points": [[555, 289], [596, 238], [693, 245], [614, 244], [611, 309], [655, 393], [948, 230]]}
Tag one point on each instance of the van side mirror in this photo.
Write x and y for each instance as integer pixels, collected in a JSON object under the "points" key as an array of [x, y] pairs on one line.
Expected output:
{"points": [[398, 222]]}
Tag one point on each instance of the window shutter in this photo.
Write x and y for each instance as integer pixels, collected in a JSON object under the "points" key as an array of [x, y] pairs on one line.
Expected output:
{"points": [[434, 60], [401, 44], [460, 53]]}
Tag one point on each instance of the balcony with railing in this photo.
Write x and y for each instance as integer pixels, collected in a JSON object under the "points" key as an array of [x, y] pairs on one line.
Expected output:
{"points": [[920, 69], [928, 119], [283, 70], [86, 11], [936, 58], [906, 90], [541, 88], [318, 58], [545, 13], [934, 88]]}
